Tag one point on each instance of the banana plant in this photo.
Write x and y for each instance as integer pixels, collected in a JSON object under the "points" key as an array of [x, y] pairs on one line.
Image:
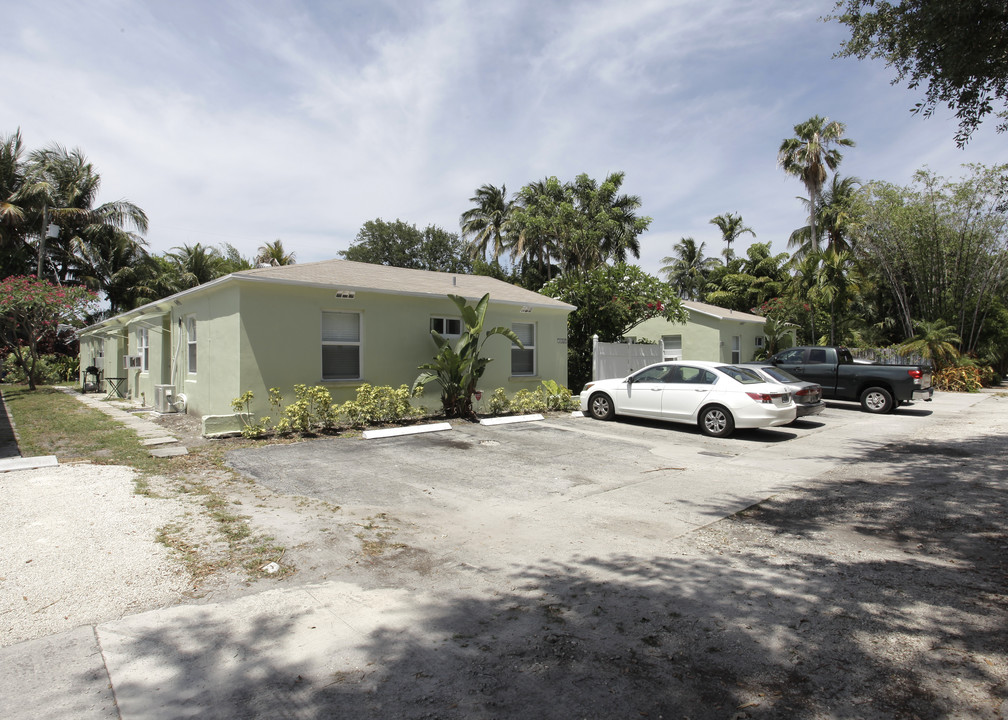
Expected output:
{"points": [[457, 369]]}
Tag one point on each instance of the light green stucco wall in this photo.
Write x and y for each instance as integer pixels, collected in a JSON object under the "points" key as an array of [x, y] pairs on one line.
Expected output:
{"points": [[281, 340], [704, 337], [141, 384], [255, 336]]}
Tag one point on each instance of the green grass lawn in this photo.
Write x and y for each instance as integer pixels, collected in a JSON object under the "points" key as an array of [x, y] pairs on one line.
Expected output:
{"points": [[51, 422]]}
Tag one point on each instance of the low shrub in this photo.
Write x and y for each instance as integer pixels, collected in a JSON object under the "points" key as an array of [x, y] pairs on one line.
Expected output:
{"points": [[380, 405], [961, 378], [498, 403], [550, 395]]}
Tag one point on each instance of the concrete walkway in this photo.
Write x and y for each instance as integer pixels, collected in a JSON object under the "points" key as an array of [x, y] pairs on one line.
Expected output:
{"points": [[151, 434]]}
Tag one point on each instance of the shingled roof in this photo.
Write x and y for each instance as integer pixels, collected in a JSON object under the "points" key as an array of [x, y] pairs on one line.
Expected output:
{"points": [[359, 277]]}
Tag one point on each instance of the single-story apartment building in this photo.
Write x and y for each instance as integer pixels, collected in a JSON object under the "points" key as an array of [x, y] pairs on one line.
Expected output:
{"points": [[334, 323], [710, 333]]}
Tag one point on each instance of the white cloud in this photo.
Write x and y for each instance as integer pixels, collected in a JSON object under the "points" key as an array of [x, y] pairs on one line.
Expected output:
{"points": [[244, 122]]}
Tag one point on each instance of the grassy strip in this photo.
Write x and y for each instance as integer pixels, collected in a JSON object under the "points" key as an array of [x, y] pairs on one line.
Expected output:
{"points": [[51, 422]]}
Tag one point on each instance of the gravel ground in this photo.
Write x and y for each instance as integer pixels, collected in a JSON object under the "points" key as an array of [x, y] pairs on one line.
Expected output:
{"points": [[78, 547]]}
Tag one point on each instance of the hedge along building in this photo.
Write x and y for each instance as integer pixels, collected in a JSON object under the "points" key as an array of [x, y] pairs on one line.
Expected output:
{"points": [[710, 333], [335, 323]]}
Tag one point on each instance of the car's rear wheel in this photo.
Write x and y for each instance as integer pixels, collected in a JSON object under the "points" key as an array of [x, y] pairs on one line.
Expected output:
{"points": [[600, 406], [876, 400], [716, 421]]}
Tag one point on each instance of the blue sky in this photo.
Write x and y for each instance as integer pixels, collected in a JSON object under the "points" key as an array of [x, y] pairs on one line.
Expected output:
{"points": [[244, 122]]}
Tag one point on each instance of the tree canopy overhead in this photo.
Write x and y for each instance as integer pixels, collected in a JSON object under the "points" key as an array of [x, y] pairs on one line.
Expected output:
{"points": [[957, 50]]}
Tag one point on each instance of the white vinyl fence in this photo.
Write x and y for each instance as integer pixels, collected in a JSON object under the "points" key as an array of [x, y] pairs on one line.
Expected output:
{"points": [[616, 360]]}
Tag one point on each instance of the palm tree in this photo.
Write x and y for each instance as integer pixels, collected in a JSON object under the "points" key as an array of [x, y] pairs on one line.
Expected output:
{"points": [[606, 222], [15, 253], [197, 264], [486, 225], [273, 253], [731, 228], [935, 341], [834, 284], [536, 227], [110, 260], [808, 156], [12, 214], [834, 218], [687, 268], [62, 187]]}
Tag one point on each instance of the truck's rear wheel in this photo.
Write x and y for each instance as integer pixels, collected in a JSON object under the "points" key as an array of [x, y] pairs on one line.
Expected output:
{"points": [[877, 400]]}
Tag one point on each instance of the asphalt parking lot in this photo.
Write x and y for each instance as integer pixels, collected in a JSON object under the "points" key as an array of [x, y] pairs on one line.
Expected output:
{"points": [[531, 490]]}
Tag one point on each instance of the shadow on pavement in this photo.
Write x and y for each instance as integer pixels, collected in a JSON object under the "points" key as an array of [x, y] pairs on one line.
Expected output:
{"points": [[877, 597], [8, 441]]}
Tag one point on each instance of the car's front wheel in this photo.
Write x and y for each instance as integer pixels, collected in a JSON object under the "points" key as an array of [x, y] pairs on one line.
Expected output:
{"points": [[716, 421], [600, 406]]}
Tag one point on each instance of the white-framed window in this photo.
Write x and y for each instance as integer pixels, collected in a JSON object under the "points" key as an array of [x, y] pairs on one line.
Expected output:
{"points": [[759, 341], [671, 347], [101, 348], [449, 327], [523, 362], [341, 345], [736, 349], [143, 349], [191, 344]]}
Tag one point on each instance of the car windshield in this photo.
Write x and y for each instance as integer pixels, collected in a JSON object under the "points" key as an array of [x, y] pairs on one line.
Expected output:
{"points": [[780, 375], [742, 375]]}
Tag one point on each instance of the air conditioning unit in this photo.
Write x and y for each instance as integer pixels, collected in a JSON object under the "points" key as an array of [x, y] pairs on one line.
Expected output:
{"points": [[132, 362], [163, 396]]}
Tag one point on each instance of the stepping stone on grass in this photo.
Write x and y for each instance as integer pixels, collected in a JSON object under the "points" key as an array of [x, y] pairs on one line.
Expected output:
{"points": [[169, 451]]}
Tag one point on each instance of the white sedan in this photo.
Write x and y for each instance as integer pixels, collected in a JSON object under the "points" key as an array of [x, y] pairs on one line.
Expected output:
{"points": [[715, 396]]}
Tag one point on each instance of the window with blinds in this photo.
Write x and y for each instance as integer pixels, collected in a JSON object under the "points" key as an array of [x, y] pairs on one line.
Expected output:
{"points": [[341, 346], [523, 362]]}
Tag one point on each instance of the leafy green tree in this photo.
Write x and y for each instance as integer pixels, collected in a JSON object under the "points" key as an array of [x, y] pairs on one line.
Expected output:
{"points": [[809, 155], [486, 225], [458, 368], [610, 299], [731, 228], [956, 49], [234, 261], [273, 253], [30, 310], [935, 341], [941, 247], [687, 268], [400, 244]]}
